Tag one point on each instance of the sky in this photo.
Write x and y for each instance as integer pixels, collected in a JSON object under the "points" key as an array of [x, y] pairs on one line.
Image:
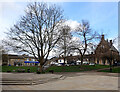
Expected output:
{"points": [[102, 16]]}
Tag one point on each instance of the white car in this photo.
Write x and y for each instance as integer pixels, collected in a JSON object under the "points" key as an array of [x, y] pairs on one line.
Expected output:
{"points": [[47, 66], [92, 64], [85, 62], [59, 65]]}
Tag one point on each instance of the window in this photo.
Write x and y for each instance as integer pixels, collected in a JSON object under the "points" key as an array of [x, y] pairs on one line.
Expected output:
{"points": [[27, 59], [102, 46], [33, 59]]}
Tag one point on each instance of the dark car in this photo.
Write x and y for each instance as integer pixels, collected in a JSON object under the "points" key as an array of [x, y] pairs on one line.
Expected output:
{"points": [[116, 64]]}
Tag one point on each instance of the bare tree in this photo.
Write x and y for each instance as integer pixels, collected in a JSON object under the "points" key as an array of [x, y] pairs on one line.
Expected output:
{"points": [[87, 38], [63, 44], [37, 32]]}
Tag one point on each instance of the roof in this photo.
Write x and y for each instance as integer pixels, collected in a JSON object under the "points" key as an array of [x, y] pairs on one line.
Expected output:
{"points": [[110, 45], [10, 56], [15, 57], [113, 48]]}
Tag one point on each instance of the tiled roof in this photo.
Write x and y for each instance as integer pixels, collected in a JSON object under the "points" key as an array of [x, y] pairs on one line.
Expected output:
{"points": [[113, 48]]}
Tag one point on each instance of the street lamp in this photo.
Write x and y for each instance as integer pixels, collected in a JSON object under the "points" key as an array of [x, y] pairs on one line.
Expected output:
{"points": [[111, 50]]}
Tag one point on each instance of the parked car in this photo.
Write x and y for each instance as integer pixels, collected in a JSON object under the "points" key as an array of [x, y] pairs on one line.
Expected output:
{"points": [[78, 62], [72, 64], [67, 65], [45, 67], [91, 63], [85, 63], [118, 64], [59, 64]]}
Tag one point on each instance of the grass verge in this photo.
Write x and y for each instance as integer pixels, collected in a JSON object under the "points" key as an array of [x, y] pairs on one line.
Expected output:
{"points": [[114, 70], [54, 68]]}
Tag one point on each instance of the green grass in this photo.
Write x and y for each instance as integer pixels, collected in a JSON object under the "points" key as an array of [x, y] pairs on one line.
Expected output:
{"points": [[75, 68], [11, 68], [55, 68], [114, 70]]}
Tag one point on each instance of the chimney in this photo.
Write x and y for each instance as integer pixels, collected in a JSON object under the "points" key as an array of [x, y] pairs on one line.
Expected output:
{"points": [[102, 37], [110, 42]]}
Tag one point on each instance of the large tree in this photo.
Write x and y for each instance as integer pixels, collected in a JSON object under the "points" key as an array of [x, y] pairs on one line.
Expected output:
{"points": [[62, 47], [37, 32], [86, 41]]}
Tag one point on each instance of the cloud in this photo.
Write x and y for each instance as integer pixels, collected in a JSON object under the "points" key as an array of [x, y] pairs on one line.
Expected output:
{"points": [[73, 24], [75, 39]]}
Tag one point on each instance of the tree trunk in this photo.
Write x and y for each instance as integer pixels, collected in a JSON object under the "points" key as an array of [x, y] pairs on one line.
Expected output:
{"points": [[41, 70], [64, 60], [81, 60], [41, 64]]}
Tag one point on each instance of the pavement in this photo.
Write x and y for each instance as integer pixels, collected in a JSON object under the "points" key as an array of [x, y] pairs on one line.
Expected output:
{"points": [[27, 78], [71, 81]]}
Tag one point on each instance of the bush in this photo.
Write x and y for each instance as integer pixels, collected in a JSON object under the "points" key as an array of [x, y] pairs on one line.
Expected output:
{"points": [[8, 71], [38, 72]]}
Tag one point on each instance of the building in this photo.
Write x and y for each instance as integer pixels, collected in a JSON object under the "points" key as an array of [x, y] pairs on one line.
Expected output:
{"points": [[71, 59], [18, 60], [105, 52]]}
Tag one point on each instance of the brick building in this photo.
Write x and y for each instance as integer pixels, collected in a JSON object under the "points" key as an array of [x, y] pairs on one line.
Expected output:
{"points": [[105, 52]]}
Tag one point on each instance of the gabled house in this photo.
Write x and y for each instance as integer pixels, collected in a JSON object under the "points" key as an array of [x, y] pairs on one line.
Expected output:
{"points": [[105, 52]]}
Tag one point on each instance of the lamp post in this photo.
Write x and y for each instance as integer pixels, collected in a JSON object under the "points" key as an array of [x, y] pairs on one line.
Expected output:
{"points": [[111, 50]]}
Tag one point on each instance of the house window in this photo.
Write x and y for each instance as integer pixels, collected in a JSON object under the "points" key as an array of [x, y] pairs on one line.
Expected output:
{"points": [[102, 46], [33, 59], [27, 59]]}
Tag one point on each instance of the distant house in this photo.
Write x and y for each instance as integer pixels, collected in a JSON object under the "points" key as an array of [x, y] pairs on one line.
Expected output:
{"points": [[70, 59], [105, 51], [18, 60]]}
